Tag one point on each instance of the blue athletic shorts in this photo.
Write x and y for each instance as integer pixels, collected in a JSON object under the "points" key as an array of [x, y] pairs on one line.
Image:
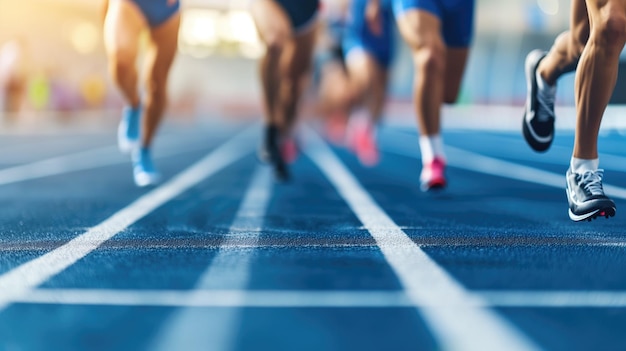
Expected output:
{"points": [[301, 13], [457, 17], [357, 34], [157, 12]]}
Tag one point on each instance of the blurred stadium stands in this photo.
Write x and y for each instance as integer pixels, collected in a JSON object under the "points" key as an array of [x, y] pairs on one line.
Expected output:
{"points": [[216, 69]]}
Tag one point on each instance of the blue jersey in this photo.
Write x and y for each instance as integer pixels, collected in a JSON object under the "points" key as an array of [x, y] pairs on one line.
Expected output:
{"points": [[457, 17], [357, 34], [157, 12]]}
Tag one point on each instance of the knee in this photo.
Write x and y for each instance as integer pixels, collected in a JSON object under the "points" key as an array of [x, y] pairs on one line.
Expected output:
{"points": [[429, 59], [123, 62], [611, 32], [275, 43]]}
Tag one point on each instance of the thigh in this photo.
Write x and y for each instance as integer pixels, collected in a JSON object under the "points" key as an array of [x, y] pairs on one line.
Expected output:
{"points": [[123, 24], [420, 28], [164, 47], [272, 22]]}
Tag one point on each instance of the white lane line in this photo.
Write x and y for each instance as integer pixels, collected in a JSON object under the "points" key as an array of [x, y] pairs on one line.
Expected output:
{"points": [[25, 277], [80, 161], [426, 283], [563, 299], [192, 329], [488, 165], [309, 299]]}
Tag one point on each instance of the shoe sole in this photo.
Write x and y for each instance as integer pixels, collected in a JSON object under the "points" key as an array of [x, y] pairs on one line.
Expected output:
{"points": [[606, 212], [531, 81], [434, 186]]}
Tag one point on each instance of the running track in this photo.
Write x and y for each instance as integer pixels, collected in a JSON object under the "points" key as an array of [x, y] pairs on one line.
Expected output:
{"points": [[219, 257]]}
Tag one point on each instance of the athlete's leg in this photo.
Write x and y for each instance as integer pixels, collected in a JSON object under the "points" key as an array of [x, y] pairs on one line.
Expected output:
{"points": [[122, 25], [456, 60], [542, 72], [568, 46], [159, 59], [295, 62], [275, 31], [597, 72], [422, 32], [596, 75], [368, 80]]}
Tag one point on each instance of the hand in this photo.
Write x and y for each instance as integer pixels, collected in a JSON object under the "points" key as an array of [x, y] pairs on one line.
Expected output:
{"points": [[373, 16]]}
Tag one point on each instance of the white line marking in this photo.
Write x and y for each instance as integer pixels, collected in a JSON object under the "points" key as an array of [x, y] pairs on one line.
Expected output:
{"points": [[489, 165], [426, 283], [190, 329], [79, 161], [604, 299], [25, 277], [312, 299]]}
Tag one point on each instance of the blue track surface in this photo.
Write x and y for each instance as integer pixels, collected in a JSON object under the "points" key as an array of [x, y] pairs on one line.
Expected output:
{"points": [[224, 258]]}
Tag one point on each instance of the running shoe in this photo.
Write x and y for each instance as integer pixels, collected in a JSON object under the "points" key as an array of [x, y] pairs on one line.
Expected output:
{"points": [[538, 122], [363, 142], [336, 129], [270, 152], [433, 175], [144, 172], [585, 196], [289, 150], [128, 129]]}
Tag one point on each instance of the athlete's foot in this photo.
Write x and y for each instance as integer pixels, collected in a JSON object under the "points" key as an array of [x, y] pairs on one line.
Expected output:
{"points": [[270, 152], [585, 196], [538, 122], [144, 172], [433, 175], [128, 129], [336, 129], [289, 150], [363, 142]]}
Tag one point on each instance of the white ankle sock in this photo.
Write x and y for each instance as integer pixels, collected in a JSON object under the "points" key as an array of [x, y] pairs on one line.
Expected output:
{"points": [[579, 165], [431, 146]]}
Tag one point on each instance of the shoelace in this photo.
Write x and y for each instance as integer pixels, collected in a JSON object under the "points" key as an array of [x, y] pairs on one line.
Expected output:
{"points": [[591, 181]]}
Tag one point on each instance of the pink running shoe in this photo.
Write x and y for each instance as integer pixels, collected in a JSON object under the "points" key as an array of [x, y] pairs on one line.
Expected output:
{"points": [[363, 142], [336, 129], [433, 175], [289, 150]]}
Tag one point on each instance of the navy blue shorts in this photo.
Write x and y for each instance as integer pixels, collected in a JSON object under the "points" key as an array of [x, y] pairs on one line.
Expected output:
{"points": [[358, 36], [301, 13], [457, 17], [157, 12]]}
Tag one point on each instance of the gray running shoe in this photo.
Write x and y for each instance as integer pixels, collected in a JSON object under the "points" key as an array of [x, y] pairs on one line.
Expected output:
{"points": [[538, 123], [586, 197]]}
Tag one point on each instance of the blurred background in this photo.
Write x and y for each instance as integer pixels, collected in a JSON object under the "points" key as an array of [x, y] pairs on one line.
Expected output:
{"points": [[55, 49]]}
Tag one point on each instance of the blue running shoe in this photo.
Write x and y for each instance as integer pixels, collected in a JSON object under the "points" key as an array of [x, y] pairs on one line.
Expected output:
{"points": [[144, 172], [128, 129]]}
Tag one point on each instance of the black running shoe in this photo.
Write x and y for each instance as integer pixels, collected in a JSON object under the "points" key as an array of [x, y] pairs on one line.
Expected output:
{"points": [[269, 152], [586, 197], [538, 122]]}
